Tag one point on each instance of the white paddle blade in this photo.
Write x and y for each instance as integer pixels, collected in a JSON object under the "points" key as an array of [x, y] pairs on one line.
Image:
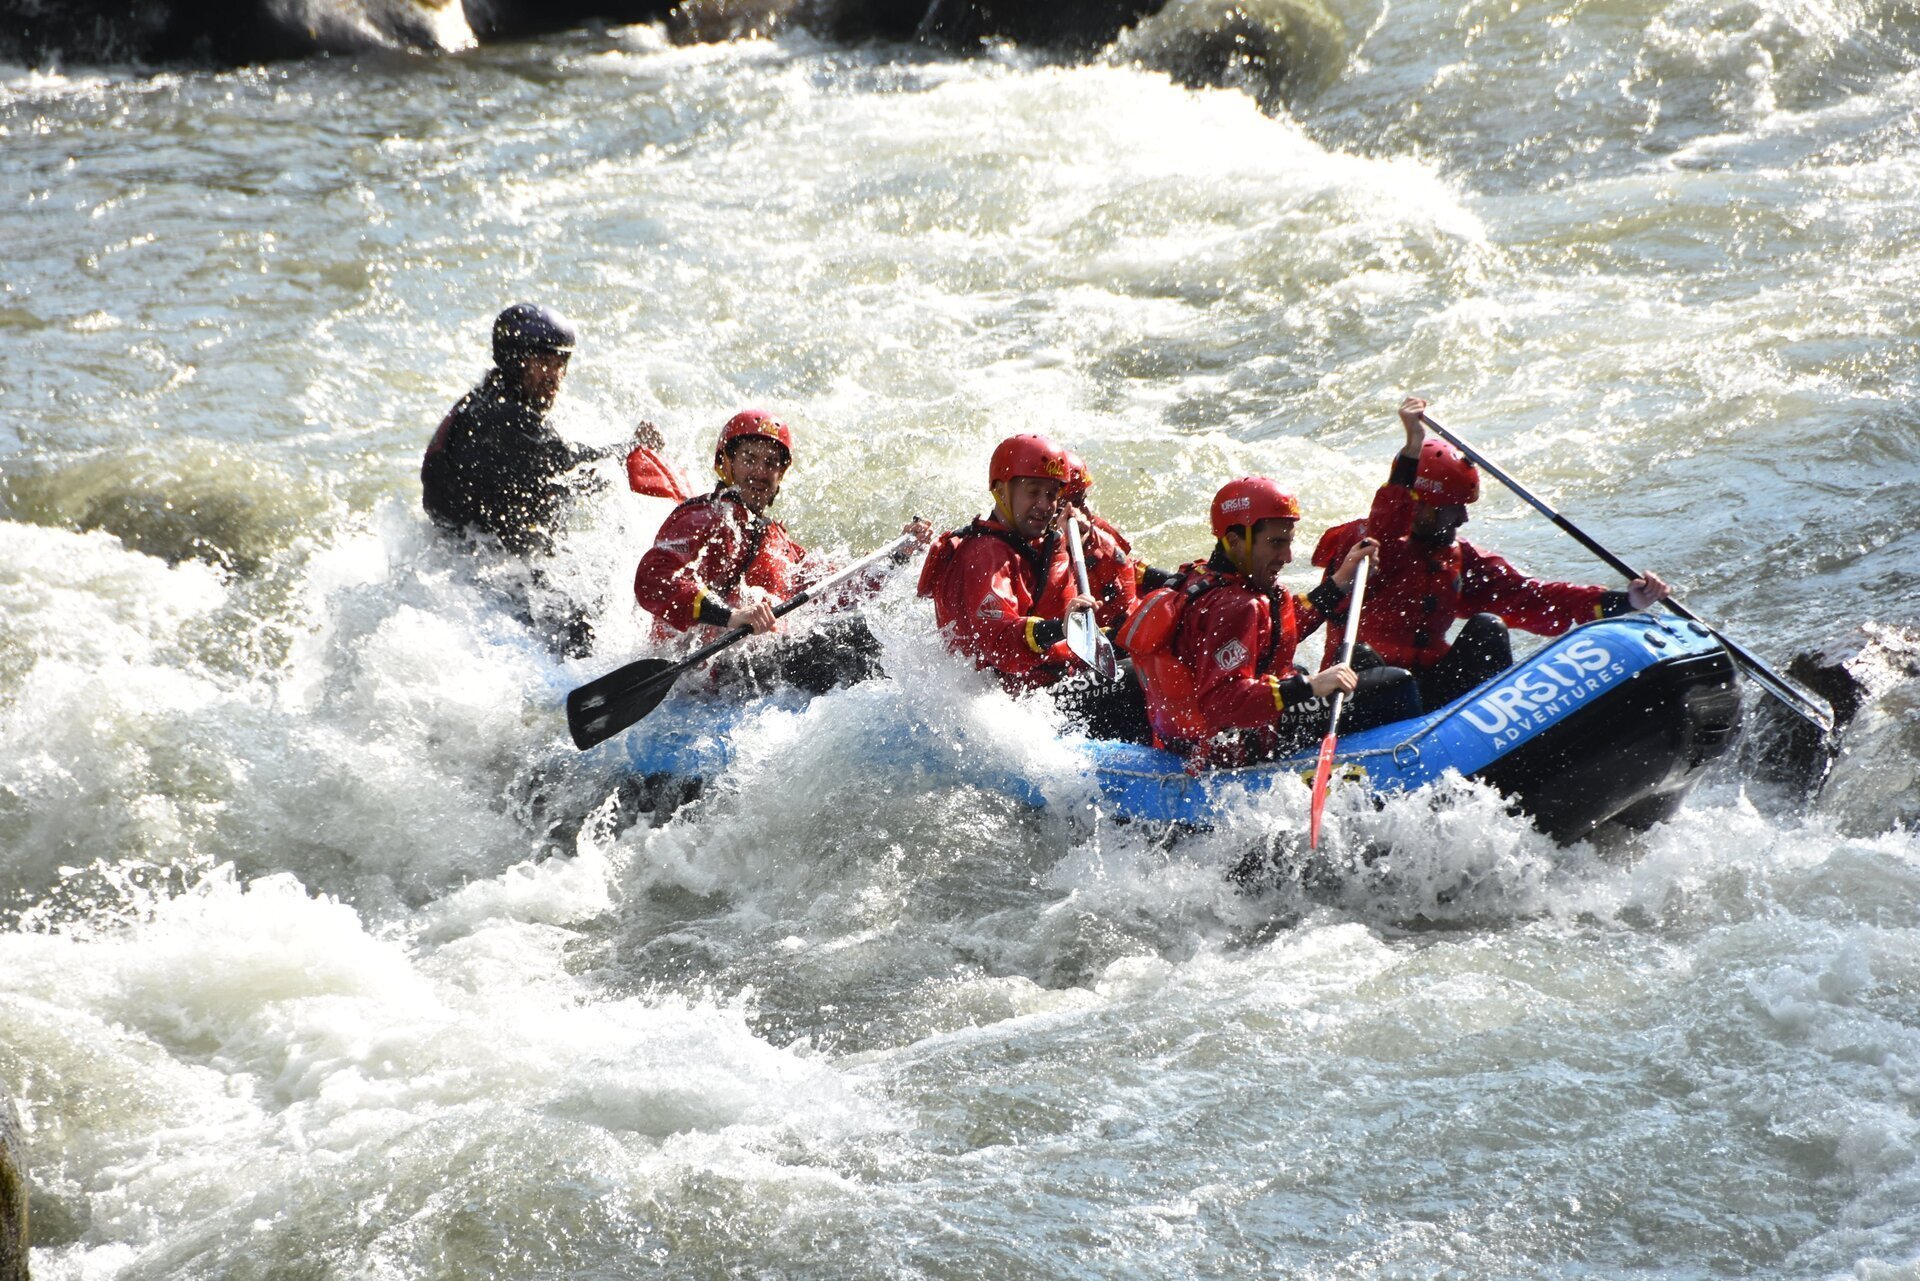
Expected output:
{"points": [[1090, 645], [1084, 637]]}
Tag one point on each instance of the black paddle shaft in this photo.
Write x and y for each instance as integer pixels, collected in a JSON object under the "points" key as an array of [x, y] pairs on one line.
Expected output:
{"points": [[1802, 702], [602, 708]]}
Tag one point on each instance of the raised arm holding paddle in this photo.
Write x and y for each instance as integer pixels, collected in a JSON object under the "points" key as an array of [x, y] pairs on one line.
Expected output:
{"points": [[1799, 701], [1428, 578]]}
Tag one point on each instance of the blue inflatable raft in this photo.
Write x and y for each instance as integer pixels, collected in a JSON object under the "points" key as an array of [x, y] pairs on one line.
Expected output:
{"points": [[1612, 722]]}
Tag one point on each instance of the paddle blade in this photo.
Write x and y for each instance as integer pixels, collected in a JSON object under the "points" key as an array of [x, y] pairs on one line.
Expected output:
{"points": [[650, 474], [1322, 774], [602, 708], [1090, 645]]}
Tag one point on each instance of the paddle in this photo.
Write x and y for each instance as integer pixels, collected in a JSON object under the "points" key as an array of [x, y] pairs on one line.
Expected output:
{"points": [[1084, 637], [602, 708], [1797, 700], [653, 476], [1323, 772]]}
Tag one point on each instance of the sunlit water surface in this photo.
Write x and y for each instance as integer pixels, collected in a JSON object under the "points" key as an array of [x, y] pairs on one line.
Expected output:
{"points": [[328, 957]]}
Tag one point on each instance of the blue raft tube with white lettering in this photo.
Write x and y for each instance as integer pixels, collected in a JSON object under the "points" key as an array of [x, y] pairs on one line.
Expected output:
{"points": [[1612, 722]]}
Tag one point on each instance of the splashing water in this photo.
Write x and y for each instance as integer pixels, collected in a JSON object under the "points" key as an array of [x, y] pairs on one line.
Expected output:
{"points": [[326, 954]]}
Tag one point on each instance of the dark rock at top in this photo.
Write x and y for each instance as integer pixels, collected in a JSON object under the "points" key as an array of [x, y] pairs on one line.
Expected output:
{"points": [[237, 32], [1073, 26], [520, 19], [221, 32]]}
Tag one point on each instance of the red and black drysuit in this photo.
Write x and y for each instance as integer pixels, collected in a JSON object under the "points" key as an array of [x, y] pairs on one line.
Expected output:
{"points": [[1419, 588], [710, 555], [1110, 554], [1237, 695], [1001, 600]]}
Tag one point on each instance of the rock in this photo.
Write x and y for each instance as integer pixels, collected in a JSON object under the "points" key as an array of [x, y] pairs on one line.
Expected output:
{"points": [[1073, 26], [1875, 779], [223, 32], [13, 1194], [234, 32], [1065, 25], [494, 20], [711, 21], [1866, 770], [1273, 50]]}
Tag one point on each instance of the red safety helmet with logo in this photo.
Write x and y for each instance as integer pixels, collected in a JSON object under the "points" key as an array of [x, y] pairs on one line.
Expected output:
{"points": [[1027, 455], [1079, 480], [748, 423], [1248, 501], [1446, 478]]}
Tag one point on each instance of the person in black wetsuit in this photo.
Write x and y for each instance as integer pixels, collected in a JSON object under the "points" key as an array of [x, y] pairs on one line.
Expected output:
{"points": [[497, 469], [495, 466]]}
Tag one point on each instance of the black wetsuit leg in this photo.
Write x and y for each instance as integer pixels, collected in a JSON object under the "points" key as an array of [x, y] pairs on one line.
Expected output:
{"points": [[1366, 658], [1481, 651], [1382, 694], [1114, 709], [840, 651]]}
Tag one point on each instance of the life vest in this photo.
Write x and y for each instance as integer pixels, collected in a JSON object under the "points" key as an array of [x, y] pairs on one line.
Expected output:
{"points": [[1050, 581], [714, 547], [1153, 636], [1417, 592], [1173, 706], [988, 601], [1413, 596], [940, 555]]}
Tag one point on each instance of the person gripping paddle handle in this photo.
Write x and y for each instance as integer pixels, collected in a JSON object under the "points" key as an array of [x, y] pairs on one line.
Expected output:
{"points": [[1429, 577]]}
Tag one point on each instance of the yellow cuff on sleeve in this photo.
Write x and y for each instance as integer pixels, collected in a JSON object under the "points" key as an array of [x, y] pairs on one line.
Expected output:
{"points": [[1032, 643], [1279, 704]]}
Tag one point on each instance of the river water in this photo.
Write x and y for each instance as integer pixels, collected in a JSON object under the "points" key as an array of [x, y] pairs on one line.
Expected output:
{"points": [[326, 956]]}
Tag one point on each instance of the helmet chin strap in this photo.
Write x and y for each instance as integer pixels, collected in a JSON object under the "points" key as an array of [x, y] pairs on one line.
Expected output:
{"points": [[1243, 559], [1000, 504]]}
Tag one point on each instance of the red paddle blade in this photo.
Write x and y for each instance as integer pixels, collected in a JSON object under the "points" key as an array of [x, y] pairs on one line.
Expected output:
{"points": [[1321, 774], [650, 474]]}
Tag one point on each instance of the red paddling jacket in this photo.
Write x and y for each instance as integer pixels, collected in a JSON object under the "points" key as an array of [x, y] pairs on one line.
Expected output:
{"points": [[1231, 653], [709, 551], [1112, 571], [1418, 590], [1001, 599]]}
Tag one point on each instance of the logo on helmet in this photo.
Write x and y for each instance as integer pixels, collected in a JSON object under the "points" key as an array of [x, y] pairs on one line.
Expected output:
{"points": [[1236, 504]]}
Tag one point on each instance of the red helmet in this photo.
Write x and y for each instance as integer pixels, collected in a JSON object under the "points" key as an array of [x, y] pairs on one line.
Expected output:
{"points": [[1027, 455], [1079, 480], [1248, 501], [751, 422], [1445, 478]]}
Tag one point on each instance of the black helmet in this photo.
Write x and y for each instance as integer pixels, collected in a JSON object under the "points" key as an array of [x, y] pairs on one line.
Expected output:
{"points": [[527, 327]]}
